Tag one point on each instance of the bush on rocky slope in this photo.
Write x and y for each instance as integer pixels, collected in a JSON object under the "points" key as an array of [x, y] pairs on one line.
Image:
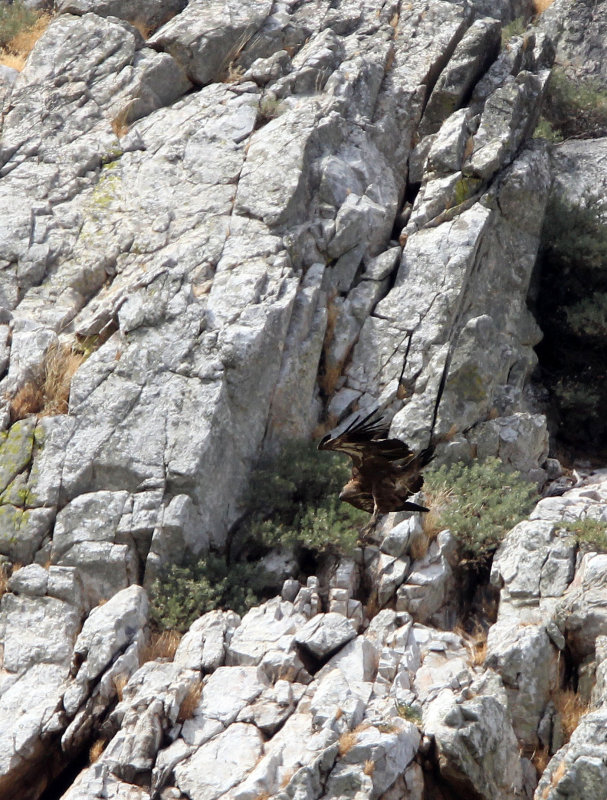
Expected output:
{"points": [[575, 108], [294, 501], [20, 28], [481, 502], [187, 592], [572, 314]]}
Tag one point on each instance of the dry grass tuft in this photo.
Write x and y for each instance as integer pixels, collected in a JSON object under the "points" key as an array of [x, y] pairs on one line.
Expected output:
{"points": [[437, 501], [347, 741], [144, 28], [369, 767], [161, 646], [60, 364], [540, 759], [189, 704], [119, 123], [479, 646], [21, 45], [418, 546], [571, 708], [51, 394], [28, 400], [96, 750], [349, 738], [120, 681], [4, 576], [539, 6]]}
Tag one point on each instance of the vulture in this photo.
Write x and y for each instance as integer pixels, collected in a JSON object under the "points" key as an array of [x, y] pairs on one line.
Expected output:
{"points": [[385, 472]]}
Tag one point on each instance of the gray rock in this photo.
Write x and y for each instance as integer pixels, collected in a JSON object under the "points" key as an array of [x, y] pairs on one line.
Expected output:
{"points": [[204, 646], [477, 748], [471, 58], [221, 763], [509, 116], [204, 43], [322, 635], [529, 665], [271, 626]]}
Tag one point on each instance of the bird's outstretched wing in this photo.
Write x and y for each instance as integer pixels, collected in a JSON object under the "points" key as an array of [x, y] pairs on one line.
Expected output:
{"points": [[365, 439]]}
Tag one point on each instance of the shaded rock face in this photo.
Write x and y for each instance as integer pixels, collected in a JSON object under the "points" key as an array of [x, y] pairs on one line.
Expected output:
{"points": [[572, 288], [245, 219]]}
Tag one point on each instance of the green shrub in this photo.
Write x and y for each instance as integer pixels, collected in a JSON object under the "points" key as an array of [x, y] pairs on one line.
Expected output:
{"points": [[515, 28], [545, 130], [574, 241], [589, 534], [575, 107], [187, 592], [572, 312], [294, 501], [14, 19], [484, 501], [588, 317]]}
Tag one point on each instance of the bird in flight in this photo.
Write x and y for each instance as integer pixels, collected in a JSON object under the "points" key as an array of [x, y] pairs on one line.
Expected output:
{"points": [[385, 472]]}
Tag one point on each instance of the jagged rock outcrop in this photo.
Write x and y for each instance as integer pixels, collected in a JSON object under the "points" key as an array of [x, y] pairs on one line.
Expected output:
{"points": [[238, 221]]}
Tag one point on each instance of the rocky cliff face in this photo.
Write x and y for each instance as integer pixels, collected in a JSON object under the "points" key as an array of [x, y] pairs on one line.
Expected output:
{"points": [[240, 221]]}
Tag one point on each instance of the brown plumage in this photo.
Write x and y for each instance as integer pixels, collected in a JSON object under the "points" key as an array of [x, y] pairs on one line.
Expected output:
{"points": [[385, 472]]}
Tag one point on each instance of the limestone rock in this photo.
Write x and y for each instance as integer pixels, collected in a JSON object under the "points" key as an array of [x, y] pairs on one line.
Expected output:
{"points": [[322, 635], [477, 748]]}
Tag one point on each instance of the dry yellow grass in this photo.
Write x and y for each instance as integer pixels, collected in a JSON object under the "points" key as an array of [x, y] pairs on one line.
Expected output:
{"points": [[161, 646], [96, 750], [571, 708], [28, 400], [144, 28], [51, 394], [60, 364], [437, 502], [539, 6], [189, 704], [119, 123], [120, 681], [349, 738], [346, 742], [369, 767], [4, 576], [418, 546], [540, 759], [20, 46]]}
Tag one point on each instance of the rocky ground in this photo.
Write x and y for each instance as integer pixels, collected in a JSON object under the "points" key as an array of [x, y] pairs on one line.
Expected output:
{"points": [[228, 223]]}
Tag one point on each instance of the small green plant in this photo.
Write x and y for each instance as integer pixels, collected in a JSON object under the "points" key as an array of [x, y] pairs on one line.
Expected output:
{"points": [[574, 238], [515, 28], [484, 501], [14, 19], [269, 108], [545, 130], [187, 592], [589, 534], [576, 108], [293, 501], [408, 712]]}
